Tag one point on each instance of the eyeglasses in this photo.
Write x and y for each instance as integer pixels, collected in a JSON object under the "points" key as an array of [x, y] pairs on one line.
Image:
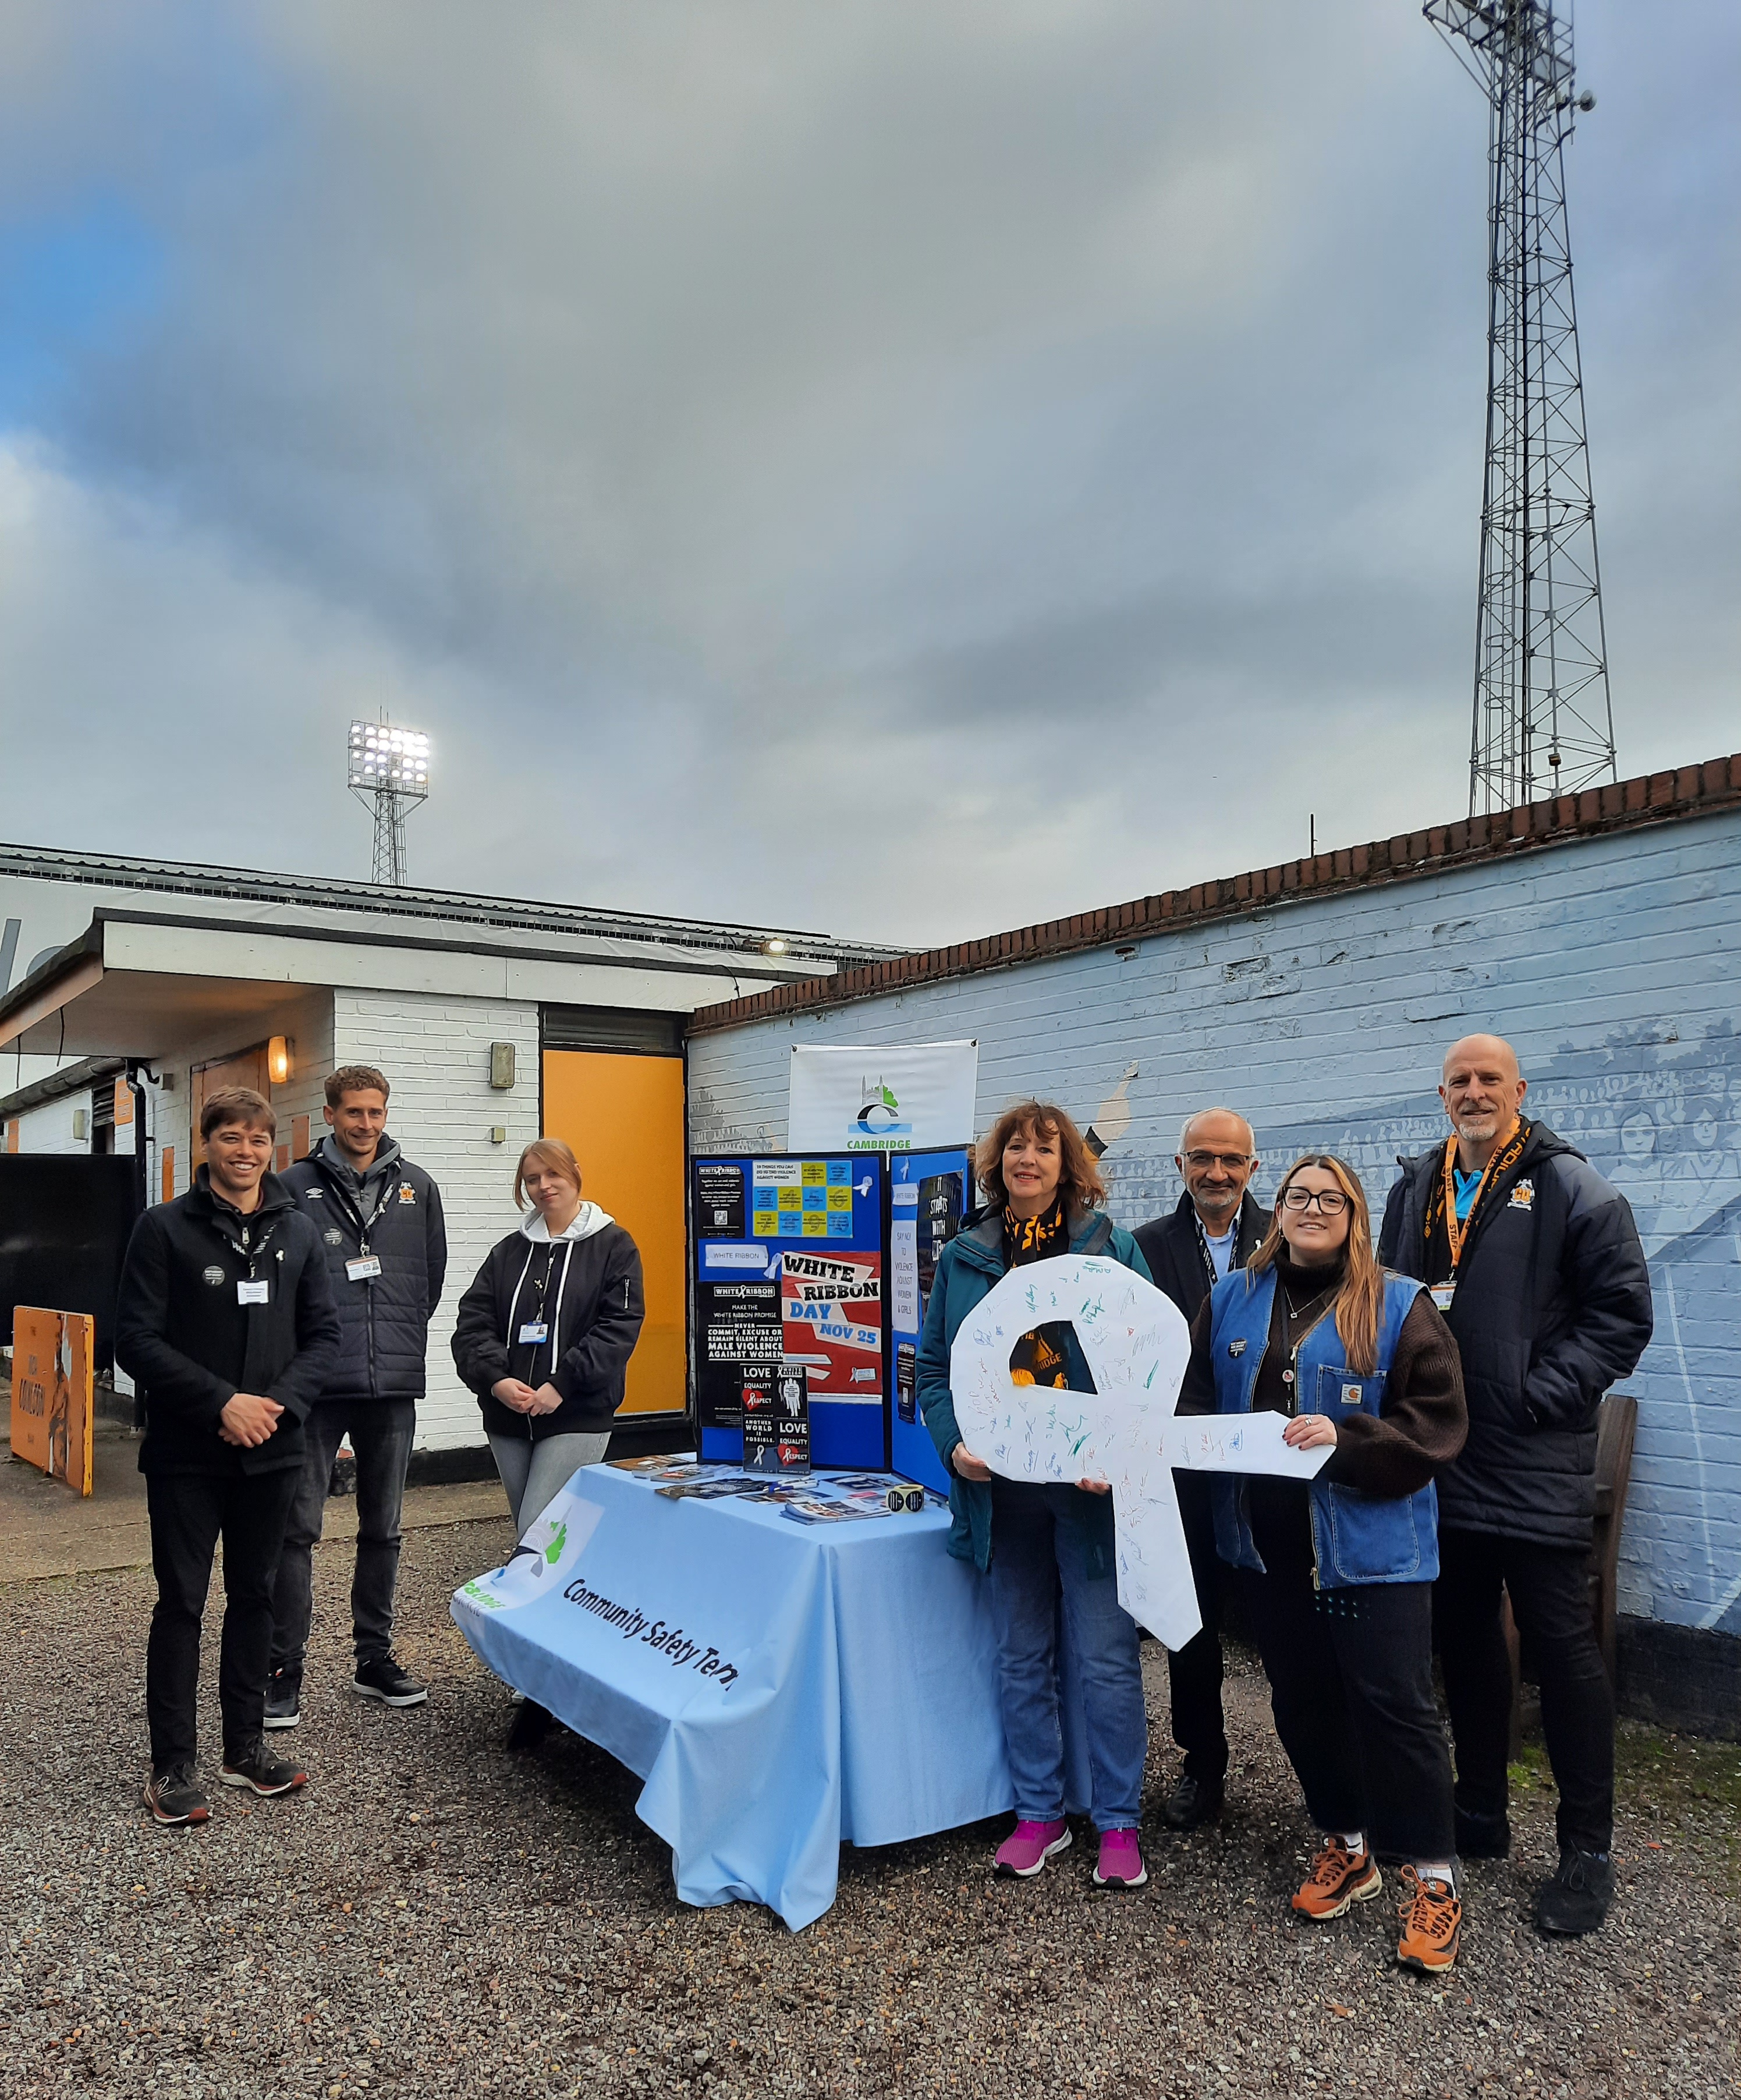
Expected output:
{"points": [[1331, 1202], [1230, 1162]]}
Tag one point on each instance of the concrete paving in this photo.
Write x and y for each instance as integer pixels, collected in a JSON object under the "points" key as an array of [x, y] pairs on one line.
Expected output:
{"points": [[46, 1530]]}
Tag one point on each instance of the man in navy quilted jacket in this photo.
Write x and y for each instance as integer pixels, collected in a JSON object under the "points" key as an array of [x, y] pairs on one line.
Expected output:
{"points": [[380, 1221]]}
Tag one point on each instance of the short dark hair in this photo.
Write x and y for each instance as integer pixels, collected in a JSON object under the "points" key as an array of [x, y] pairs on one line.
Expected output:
{"points": [[356, 1080], [239, 1104]]}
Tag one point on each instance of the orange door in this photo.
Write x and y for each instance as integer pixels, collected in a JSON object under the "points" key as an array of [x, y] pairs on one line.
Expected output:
{"points": [[624, 1117]]}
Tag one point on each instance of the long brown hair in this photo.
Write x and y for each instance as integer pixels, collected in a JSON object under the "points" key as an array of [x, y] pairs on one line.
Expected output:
{"points": [[1363, 1281], [1079, 1181]]}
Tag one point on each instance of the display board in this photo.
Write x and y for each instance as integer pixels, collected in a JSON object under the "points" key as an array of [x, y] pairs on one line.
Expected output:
{"points": [[789, 1267], [930, 1193], [53, 1400]]}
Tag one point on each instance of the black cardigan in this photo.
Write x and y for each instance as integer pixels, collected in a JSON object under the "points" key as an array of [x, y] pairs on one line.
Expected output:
{"points": [[602, 1312]]}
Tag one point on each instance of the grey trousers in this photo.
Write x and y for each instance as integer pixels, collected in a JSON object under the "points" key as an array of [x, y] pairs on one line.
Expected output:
{"points": [[534, 1474]]}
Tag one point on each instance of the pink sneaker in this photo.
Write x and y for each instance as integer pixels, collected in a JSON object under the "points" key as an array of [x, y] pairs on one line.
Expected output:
{"points": [[1028, 1847], [1120, 1865]]}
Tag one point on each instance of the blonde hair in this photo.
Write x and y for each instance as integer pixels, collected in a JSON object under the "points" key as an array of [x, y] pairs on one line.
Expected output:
{"points": [[548, 1152], [1363, 1281]]}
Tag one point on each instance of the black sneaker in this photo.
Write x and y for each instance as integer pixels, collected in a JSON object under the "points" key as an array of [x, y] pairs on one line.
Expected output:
{"points": [[258, 1770], [1192, 1803], [284, 1699], [1482, 1837], [173, 1795], [1576, 1900], [383, 1680]]}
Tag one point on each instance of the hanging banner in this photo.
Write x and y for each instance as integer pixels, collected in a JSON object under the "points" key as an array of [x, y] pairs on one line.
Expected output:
{"points": [[888, 1098]]}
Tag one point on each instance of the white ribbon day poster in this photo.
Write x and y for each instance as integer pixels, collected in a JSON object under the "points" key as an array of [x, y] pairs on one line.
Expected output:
{"points": [[907, 1097], [1137, 1345]]}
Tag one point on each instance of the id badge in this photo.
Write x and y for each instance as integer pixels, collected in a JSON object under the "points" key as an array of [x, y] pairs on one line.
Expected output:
{"points": [[1443, 1294], [535, 1331], [253, 1294], [360, 1268]]}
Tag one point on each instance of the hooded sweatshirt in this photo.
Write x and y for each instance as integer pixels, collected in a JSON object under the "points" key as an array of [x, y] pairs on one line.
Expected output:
{"points": [[565, 1312]]}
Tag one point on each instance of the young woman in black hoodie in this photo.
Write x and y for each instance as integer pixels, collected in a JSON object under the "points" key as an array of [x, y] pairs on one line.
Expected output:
{"points": [[546, 1332]]}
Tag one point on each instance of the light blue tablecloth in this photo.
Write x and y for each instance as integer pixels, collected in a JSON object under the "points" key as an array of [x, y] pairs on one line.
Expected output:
{"points": [[781, 1687]]}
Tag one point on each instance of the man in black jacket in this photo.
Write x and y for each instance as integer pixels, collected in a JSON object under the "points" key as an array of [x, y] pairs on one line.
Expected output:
{"points": [[1216, 1227], [380, 1222], [226, 1322], [1535, 1261]]}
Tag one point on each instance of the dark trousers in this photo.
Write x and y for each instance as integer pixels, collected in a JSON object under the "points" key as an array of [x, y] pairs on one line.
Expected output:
{"points": [[1194, 1672], [381, 1431], [189, 1513], [1350, 1673], [1548, 1586]]}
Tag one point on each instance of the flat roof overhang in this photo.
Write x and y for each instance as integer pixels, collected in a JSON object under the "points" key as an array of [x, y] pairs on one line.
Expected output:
{"points": [[139, 984]]}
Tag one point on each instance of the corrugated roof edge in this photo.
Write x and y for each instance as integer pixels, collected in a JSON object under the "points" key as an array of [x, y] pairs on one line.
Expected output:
{"points": [[188, 879], [1654, 798]]}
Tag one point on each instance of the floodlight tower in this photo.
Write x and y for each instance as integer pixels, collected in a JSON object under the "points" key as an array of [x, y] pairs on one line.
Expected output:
{"points": [[389, 771], [1543, 721]]}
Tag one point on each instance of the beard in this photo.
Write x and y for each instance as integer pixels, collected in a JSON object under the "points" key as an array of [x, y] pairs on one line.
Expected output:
{"points": [[1479, 1123]]}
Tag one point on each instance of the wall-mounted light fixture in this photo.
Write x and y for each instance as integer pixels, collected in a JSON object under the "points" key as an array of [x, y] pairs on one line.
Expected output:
{"points": [[501, 1067], [775, 945], [81, 1125], [278, 1052]]}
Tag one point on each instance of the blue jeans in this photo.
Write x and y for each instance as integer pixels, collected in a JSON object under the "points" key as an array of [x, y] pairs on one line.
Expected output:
{"points": [[381, 1432], [1045, 1536]]}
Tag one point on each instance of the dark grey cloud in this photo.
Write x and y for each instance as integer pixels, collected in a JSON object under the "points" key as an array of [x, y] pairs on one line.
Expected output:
{"points": [[1048, 435]]}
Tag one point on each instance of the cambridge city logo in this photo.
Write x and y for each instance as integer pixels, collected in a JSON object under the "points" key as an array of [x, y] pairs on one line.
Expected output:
{"points": [[878, 1127], [532, 1571]]}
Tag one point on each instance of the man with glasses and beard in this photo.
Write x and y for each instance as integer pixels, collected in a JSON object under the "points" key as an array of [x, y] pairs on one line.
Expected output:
{"points": [[1536, 1262], [1215, 1227]]}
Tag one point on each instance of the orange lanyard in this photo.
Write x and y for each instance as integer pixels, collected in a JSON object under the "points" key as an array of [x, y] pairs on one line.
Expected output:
{"points": [[1454, 1230]]}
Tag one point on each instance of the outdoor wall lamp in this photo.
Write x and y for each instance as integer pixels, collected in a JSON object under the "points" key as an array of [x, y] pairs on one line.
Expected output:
{"points": [[278, 1052], [501, 1067]]}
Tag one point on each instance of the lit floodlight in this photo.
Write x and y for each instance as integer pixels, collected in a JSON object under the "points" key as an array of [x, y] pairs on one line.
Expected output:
{"points": [[390, 767]]}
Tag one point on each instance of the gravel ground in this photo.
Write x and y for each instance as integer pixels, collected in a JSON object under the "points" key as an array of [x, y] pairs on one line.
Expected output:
{"points": [[436, 1917]]}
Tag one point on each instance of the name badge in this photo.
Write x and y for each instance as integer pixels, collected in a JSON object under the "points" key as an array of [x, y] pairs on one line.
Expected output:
{"points": [[535, 1331], [360, 1268], [1442, 1295], [253, 1294]]}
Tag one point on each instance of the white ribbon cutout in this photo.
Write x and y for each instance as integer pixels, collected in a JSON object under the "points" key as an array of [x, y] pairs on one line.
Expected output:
{"points": [[1137, 1345]]}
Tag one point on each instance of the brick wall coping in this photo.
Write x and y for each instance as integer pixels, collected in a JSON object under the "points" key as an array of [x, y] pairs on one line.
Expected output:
{"points": [[1650, 799]]}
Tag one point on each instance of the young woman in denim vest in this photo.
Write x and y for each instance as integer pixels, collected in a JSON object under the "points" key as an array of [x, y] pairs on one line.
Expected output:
{"points": [[1338, 1572], [1034, 1539]]}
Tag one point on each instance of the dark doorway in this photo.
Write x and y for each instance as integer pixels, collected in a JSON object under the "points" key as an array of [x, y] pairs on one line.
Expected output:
{"points": [[65, 1220]]}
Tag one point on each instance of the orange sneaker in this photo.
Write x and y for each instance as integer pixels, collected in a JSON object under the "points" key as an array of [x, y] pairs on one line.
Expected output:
{"points": [[1432, 1924], [1338, 1878]]}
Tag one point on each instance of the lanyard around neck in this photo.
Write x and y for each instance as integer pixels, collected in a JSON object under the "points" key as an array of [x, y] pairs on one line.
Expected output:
{"points": [[1457, 1231]]}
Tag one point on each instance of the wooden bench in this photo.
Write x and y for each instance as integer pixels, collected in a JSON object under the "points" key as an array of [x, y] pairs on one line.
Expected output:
{"points": [[1616, 1425]]}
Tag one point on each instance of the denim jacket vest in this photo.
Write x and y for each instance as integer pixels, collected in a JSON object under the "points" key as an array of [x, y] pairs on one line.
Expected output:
{"points": [[1356, 1536]]}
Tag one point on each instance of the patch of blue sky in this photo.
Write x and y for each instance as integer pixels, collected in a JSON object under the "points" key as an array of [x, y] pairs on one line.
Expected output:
{"points": [[81, 282]]}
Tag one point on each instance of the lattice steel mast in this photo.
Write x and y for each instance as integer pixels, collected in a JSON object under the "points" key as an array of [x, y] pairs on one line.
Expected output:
{"points": [[1543, 721], [388, 772]]}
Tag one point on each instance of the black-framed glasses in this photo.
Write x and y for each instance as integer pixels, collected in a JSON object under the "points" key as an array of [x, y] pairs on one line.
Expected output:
{"points": [[1331, 1202], [1230, 1162]]}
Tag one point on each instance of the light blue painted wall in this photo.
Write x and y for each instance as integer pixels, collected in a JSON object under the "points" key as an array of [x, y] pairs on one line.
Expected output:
{"points": [[1613, 963]]}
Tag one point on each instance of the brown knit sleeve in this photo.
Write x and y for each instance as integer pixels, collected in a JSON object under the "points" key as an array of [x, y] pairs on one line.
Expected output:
{"points": [[1197, 1396], [1423, 1419]]}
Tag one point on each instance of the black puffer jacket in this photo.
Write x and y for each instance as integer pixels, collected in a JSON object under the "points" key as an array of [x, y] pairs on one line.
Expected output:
{"points": [[1552, 1307], [586, 1287], [397, 1209], [191, 1345]]}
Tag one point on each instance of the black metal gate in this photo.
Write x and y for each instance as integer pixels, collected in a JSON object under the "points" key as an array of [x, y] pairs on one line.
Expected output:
{"points": [[65, 1220]]}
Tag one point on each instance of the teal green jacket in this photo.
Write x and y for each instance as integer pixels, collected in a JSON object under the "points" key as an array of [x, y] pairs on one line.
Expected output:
{"points": [[966, 1270]]}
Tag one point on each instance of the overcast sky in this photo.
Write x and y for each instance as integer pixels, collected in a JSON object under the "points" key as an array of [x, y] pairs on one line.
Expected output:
{"points": [[903, 468]]}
